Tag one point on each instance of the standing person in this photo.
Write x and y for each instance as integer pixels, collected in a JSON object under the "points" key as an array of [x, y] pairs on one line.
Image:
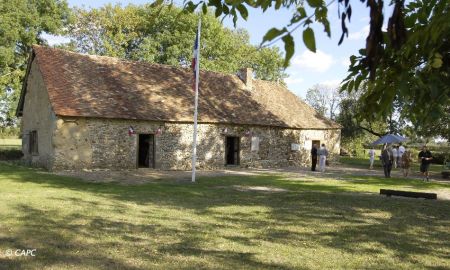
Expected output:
{"points": [[401, 151], [394, 156], [314, 157], [323, 153], [371, 157], [425, 158], [386, 160], [406, 162]]}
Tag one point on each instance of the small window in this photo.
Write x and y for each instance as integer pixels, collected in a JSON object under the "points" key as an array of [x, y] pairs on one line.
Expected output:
{"points": [[33, 143]]}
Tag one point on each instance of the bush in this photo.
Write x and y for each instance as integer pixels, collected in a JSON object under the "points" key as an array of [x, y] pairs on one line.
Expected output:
{"points": [[9, 132], [10, 154], [354, 147], [446, 174], [439, 157]]}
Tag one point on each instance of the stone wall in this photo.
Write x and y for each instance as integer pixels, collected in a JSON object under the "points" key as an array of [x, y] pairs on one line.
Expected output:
{"points": [[37, 116], [104, 143]]}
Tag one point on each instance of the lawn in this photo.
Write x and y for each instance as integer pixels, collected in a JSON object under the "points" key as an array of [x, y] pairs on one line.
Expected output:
{"points": [[10, 149], [364, 163], [220, 223], [7, 144]]}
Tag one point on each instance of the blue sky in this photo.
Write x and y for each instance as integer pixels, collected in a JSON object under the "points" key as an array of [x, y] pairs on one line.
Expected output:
{"points": [[327, 66]]}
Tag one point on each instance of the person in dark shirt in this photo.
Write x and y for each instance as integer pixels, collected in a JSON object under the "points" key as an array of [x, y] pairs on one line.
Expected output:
{"points": [[425, 158], [314, 157], [386, 160]]}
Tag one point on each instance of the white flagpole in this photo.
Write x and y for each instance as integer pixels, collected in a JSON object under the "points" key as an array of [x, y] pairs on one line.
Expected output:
{"points": [[197, 77]]}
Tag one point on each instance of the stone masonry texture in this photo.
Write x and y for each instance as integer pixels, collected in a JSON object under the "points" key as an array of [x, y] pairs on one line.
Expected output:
{"points": [[81, 143]]}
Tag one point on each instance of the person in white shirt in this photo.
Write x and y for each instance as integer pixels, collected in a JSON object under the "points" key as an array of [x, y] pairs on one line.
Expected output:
{"points": [[401, 151], [394, 156], [371, 157], [323, 153]]}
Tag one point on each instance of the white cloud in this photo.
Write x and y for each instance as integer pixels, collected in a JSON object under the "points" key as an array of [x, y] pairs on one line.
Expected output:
{"points": [[55, 40], [364, 32], [361, 34], [293, 80], [345, 62], [318, 62], [331, 83]]}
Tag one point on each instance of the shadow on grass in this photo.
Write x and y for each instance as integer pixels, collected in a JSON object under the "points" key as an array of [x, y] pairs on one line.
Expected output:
{"points": [[321, 216], [396, 182], [104, 243]]}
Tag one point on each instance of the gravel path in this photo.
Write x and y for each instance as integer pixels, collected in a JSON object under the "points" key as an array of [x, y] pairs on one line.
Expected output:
{"points": [[141, 175]]}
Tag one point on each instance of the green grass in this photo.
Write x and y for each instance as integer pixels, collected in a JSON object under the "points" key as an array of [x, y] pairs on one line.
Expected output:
{"points": [[318, 223], [10, 149], [10, 144], [364, 163]]}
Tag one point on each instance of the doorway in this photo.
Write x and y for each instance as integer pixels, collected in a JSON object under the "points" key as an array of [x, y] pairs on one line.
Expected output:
{"points": [[232, 150], [146, 151], [317, 143]]}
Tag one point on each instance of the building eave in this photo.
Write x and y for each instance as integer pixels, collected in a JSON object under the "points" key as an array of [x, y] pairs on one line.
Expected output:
{"points": [[23, 91]]}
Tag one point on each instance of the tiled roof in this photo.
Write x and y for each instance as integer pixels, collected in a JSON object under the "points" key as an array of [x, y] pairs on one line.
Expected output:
{"points": [[104, 87]]}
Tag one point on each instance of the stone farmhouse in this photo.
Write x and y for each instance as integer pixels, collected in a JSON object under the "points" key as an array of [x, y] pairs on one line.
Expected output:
{"points": [[79, 112]]}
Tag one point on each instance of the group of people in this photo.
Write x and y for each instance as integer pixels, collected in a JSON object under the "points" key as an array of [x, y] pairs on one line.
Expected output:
{"points": [[322, 153], [391, 156], [399, 156]]}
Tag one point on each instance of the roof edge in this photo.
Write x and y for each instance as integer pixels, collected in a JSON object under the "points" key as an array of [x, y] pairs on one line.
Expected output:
{"points": [[23, 91], [200, 122], [36, 54]]}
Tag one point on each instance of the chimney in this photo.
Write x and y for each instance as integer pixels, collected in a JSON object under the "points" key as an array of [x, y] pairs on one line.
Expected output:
{"points": [[246, 75]]}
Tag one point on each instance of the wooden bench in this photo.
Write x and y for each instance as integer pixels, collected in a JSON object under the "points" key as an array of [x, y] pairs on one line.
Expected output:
{"points": [[412, 194]]}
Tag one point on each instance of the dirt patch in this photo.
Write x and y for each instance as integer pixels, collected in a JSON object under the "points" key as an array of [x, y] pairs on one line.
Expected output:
{"points": [[258, 188], [143, 176]]}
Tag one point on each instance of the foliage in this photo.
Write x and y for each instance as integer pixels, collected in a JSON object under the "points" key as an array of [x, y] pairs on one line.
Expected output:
{"points": [[354, 145], [10, 153], [350, 124], [440, 157], [165, 35], [239, 8], [353, 125], [357, 132], [345, 109], [22, 23], [324, 99], [318, 12], [415, 75], [9, 132], [408, 64]]}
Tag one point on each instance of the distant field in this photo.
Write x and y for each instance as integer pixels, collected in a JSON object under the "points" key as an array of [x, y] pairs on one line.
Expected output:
{"points": [[9, 144], [10, 141], [364, 162]]}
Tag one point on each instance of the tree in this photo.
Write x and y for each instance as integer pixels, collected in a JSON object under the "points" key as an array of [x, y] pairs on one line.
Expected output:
{"points": [[22, 23], [357, 132], [353, 126], [165, 35], [416, 77], [324, 99], [408, 63]]}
